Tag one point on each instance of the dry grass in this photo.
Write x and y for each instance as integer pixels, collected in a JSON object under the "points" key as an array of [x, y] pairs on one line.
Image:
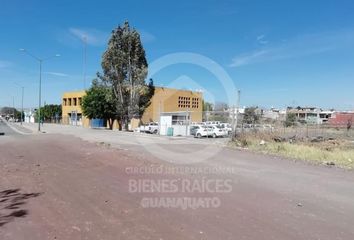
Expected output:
{"points": [[338, 152]]}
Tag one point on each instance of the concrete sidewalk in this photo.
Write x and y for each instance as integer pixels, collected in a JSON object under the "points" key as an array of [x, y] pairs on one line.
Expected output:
{"points": [[162, 147], [105, 135]]}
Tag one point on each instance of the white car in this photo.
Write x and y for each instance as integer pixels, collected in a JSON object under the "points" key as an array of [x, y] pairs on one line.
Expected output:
{"points": [[150, 128], [204, 132], [212, 123], [218, 131], [227, 127]]}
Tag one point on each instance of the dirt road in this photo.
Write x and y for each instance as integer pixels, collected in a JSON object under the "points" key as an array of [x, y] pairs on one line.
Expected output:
{"points": [[59, 187]]}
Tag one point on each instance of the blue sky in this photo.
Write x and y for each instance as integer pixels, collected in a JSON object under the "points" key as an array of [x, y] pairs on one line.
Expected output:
{"points": [[277, 52]]}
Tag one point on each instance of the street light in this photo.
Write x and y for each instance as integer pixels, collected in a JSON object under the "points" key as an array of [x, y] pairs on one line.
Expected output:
{"points": [[22, 113], [40, 60]]}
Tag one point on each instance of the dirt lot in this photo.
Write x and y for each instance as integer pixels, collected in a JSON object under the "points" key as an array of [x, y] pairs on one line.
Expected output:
{"points": [[60, 187]]}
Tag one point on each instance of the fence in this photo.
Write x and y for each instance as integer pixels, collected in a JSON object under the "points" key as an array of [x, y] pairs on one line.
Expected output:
{"points": [[299, 131]]}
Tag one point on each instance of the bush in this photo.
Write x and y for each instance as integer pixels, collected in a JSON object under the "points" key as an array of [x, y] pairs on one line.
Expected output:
{"points": [[290, 120]]}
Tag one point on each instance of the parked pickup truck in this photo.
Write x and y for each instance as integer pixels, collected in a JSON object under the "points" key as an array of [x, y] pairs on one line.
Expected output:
{"points": [[150, 128]]}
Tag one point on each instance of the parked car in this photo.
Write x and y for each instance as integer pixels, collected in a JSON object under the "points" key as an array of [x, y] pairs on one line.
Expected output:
{"points": [[227, 127], [204, 131], [152, 127], [212, 123], [198, 123], [193, 129], [218, 131]]}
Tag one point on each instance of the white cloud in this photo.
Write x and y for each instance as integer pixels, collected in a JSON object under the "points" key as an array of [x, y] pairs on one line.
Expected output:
{"points": [[92, 36], [247, 58], [300, 46], [57, 74]]}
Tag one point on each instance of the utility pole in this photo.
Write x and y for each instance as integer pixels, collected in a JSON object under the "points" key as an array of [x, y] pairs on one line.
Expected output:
{"points": [[13, 108], [40, 95], [22, 113], [233, 116], [237, 110]]}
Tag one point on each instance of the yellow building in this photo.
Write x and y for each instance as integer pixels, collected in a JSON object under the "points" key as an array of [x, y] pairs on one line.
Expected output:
{"points": [[71, 109], [169, 100], [178, 103]]}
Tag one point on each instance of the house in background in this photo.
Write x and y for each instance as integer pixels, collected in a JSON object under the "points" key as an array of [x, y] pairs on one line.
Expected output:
{"points": [[311, 115], [341, 119], [29, 115]]}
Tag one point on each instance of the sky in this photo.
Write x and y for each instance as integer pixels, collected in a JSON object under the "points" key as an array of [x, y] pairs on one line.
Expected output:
{"points": [[277, 53]]}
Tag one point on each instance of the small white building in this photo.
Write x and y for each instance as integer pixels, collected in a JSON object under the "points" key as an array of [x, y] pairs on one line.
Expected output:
{"points": [[29, 116], [179, 122]]}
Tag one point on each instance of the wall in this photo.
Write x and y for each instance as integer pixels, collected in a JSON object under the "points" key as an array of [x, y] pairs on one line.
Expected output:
{"points": [[164, 100], [71, 105], [174, 100], [341, 119]]}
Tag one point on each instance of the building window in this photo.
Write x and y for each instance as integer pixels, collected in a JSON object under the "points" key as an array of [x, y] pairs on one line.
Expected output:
{"points": [[69, 101], [75, 101], [195, 102], [184, 102], [79, 101], [64, 101]]}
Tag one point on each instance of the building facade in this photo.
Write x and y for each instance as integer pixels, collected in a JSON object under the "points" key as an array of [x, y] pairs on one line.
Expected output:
{"points": [[341, 119], [183, 105], [311, 115], [71, 109]]}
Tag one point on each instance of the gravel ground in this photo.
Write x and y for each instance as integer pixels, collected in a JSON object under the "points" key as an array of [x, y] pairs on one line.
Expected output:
{"points": [[58, 186]]}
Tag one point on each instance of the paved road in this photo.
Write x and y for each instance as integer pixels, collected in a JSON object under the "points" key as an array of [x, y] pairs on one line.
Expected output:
{"points": [[55, 186], [7, 130]]}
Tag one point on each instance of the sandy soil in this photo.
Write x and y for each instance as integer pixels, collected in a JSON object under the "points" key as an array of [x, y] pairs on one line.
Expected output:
{"points": [[58, 187]]}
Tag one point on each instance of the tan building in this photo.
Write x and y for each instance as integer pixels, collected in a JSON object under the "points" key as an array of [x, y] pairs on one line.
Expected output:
{"points": [[71, 109], [176, 102], [169, 100]]}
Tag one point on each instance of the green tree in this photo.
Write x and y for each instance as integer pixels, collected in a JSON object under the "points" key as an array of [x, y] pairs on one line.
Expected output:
{"points": [[50, 111], [145, 97], [290, 119], [207, 106], [18, 116], [10, 111], [250, 116], [125, 69], [99, 103]]}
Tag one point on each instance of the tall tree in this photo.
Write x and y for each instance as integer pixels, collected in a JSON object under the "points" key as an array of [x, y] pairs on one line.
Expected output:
{"points": [[125, 69], [145, 97], [99, 103], [50, 111], [207, 106], [250, 115]]}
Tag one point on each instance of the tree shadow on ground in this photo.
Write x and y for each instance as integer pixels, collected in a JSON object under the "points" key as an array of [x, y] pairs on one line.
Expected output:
{"points": [[11, 203]]}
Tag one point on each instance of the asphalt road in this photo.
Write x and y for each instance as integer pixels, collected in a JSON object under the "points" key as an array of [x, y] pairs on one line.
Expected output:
{"points": [[7, 130], [55, 186]]}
